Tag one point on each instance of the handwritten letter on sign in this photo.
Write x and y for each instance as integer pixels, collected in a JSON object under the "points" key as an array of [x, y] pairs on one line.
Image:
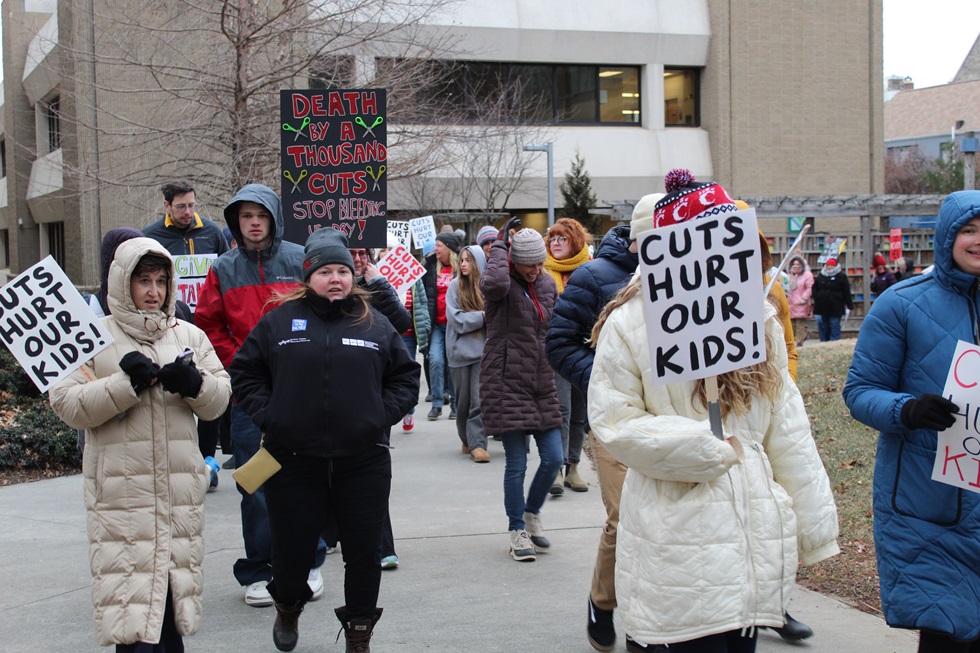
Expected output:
{"points": [[47, 325], [702, 297], [424, 234], [958, 447], [400, 268], [192, 270], [334, 170]]}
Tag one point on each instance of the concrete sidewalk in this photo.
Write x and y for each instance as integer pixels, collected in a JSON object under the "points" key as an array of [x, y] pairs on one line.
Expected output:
{"points": [[456, 590]]}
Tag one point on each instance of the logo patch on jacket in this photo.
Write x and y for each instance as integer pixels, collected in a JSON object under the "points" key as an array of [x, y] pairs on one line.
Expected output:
{"points": [[299, 325], [292, 341], [354, 342]]}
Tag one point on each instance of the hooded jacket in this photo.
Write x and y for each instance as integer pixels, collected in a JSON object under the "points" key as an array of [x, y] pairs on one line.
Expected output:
{"points": [[465, 330], [800, 296], [831, 292], [238, 287], [926, 532], [706, 544], [145, 479]]}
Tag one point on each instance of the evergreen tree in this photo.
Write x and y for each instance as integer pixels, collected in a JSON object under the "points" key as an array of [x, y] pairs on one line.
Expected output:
{"points": [[577, 191]]}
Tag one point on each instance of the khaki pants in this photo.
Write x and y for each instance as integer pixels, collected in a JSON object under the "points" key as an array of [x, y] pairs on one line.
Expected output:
{"points": [[611, 474], [800, 330]]}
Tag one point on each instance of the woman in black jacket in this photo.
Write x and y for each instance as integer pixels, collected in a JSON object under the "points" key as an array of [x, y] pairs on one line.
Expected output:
{"points": [[324, 375], [831, 299]]}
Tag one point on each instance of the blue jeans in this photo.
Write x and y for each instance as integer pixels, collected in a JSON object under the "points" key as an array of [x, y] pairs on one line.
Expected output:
{"points": [[441, 383], [828, 327], [515, 465], [256, 532]]}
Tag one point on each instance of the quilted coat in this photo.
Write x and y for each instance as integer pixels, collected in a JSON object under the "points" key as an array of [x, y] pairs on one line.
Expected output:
{"points": [[145, 478], [707, 543], [517, 385], [927, 534]]}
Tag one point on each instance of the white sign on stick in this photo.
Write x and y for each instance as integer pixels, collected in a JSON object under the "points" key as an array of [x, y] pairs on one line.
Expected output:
{"points": [[47, 325], [958, 447], [401, 269], [191, 271], [702, 296], [401, 231], [424, 234]]}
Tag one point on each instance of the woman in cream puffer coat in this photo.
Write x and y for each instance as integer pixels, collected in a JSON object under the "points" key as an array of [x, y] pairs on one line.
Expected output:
{"points": [[145, 479], [710, 531]]}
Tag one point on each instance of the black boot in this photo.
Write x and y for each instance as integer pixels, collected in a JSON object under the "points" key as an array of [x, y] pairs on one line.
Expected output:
{"points": [[357, 631], [285, 632], [793, 630]]}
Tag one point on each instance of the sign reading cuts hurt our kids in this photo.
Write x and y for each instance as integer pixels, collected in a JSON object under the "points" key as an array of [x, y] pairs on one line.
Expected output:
{"points": [[702, 291], [47, 325], [958, 447]]}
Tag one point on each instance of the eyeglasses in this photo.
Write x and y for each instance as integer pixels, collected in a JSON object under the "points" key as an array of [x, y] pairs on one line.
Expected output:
{"points": [[152, 326], [560, 240], [183, 207]]}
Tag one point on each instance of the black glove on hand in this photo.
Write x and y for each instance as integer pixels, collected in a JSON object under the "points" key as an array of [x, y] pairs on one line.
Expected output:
{"points": [[181, 378], [504, 233], [929, 412], [141, 370]]}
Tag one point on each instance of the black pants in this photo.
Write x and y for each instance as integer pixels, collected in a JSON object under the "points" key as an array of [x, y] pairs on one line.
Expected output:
{"points": [[930, 642], [354, 489], [730, 642], [170, 639]]}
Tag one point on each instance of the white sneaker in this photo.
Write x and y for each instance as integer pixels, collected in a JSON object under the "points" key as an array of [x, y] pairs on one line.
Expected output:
{"points": [[521, 548], [257, 596], [315, 581], [535, 531]]}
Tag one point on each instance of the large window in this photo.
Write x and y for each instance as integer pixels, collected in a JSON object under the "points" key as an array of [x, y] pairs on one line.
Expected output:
{"points": [[56, 242], [52, 116], [681, 97], [332, 72], [481, 91]]}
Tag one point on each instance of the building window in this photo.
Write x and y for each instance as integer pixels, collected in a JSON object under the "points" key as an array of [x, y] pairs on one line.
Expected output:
{"points": [[619, 94], [3, 158], [329, 72], [5, 250], [682, 106], [52, 116], [56, 242]]}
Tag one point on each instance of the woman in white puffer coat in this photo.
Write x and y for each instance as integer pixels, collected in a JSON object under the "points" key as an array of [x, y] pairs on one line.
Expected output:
{"points": [[145, 479], [710, 530]]}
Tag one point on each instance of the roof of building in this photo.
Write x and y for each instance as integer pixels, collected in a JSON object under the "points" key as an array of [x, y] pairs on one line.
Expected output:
{"points": [[970, 69], [933, 111]]}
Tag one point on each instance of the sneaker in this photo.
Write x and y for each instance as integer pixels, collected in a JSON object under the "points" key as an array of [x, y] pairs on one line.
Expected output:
{"points": [[331, 549], [601, 632], [408, 422], [428, 397], [556, 487], [435, 414], [389, 562], [229, 464], [257, 596], [315, 581], [634, 646], [521, 548], [452, 413], [213, 468], [535, 531]]}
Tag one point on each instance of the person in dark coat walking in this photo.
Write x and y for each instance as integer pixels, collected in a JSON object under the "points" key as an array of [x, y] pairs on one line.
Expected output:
{"points": [[517, 385], [882, 278], [831, 300]]}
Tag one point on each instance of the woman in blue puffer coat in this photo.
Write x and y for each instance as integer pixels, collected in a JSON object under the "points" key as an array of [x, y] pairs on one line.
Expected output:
{"points": [[927, 534]]}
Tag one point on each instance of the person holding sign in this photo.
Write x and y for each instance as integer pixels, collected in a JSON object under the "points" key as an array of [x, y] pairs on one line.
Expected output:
{"points": [[324, 376], [145, 479], [711, 530], [926, 532]]}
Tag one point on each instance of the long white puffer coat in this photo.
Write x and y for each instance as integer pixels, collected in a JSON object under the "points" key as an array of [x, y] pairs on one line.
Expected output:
{"points": [[706, 543], [145, 478]]}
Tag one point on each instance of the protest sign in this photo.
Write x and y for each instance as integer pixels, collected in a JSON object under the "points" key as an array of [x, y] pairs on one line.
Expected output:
{"points": [[334, 148], [894, 244], [191, 271], [958, 447], [424, 234], [702, 297], [47, 325], [832, 249], [400, 268], [401, 231]]}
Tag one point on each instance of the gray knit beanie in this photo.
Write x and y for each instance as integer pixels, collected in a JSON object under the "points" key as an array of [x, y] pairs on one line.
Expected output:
{"points": [[527, 247], [325, 246]]}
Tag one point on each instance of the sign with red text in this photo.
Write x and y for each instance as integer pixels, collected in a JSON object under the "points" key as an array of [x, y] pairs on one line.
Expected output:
{"points": [[400, 268], [334, 163], [894, 244], [958, 447], [192, 270], [47, 325], [702, 296]]}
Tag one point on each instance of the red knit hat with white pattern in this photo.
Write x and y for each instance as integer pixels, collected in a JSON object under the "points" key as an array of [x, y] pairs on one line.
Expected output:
{"points": [[689, 199]]}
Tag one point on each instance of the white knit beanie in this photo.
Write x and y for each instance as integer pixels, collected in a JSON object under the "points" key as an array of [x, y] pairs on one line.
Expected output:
{"points": [[527, 247], [643, 214]]}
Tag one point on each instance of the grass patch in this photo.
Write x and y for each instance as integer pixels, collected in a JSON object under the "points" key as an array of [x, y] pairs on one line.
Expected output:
{"points": [[848, 451]]}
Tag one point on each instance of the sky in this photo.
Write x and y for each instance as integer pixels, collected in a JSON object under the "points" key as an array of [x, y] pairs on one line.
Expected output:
{"points": [[927, 40]]}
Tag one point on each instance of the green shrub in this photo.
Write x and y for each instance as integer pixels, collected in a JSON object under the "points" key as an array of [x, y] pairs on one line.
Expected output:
{"points": [[38, 439], [16, 388]]}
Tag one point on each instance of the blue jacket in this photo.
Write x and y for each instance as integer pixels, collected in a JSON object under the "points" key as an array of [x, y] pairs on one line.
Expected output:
{"points": [[927, 534], [588, 290]]}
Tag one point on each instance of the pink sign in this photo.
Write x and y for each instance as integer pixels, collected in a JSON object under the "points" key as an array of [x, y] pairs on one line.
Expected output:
{"points": [[400, 268]]}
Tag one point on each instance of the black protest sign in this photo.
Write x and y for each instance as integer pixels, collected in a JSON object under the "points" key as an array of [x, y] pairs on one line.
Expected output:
{"points": [[334, 163], [702, 296]]}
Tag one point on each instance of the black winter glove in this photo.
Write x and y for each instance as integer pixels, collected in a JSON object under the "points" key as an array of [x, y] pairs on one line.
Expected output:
{"points": [[183, 379], [504, 233], [929, 412], [141, 370]]}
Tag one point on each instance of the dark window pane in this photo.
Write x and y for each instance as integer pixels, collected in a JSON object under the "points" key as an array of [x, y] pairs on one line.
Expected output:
{"points": [[533, 88], [619, 94], [56, 242], [53, 111], [576, 93], [681, 105], [3, 158], [332, 72]]}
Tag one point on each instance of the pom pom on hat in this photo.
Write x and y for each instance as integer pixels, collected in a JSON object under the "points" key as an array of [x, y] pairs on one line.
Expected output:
{"points": [[323, 247], [879, 260], [451, 240], [527, 247], [689, 199], [485, 234], [643, 214]]}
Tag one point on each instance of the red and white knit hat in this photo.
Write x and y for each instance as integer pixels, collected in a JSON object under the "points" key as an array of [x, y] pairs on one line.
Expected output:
{"points": [[688, 199]]}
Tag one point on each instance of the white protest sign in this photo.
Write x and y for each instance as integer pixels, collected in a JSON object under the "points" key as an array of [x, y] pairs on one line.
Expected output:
{"points": [[401, 269], [401, 231], [958, 448], [47, 325], [833, 249], [702, 296], [424, 234], [191, 271]]}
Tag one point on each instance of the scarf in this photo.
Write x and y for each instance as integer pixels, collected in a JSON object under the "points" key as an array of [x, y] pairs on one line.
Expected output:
{"points": [[560, 270]]}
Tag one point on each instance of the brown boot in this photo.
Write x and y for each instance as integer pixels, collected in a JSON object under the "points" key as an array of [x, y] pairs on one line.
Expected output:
{"points": [[285, 632], [479, 455], [357, 631], [573, 480]]}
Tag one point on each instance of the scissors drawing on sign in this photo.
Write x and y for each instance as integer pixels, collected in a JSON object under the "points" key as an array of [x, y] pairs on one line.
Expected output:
{"points": [[290, 128], [375, 177], [369, 130], [295, 182]]}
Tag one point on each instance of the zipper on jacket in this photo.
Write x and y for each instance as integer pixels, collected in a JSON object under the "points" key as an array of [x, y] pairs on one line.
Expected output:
{"points": [[779, 515]]}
